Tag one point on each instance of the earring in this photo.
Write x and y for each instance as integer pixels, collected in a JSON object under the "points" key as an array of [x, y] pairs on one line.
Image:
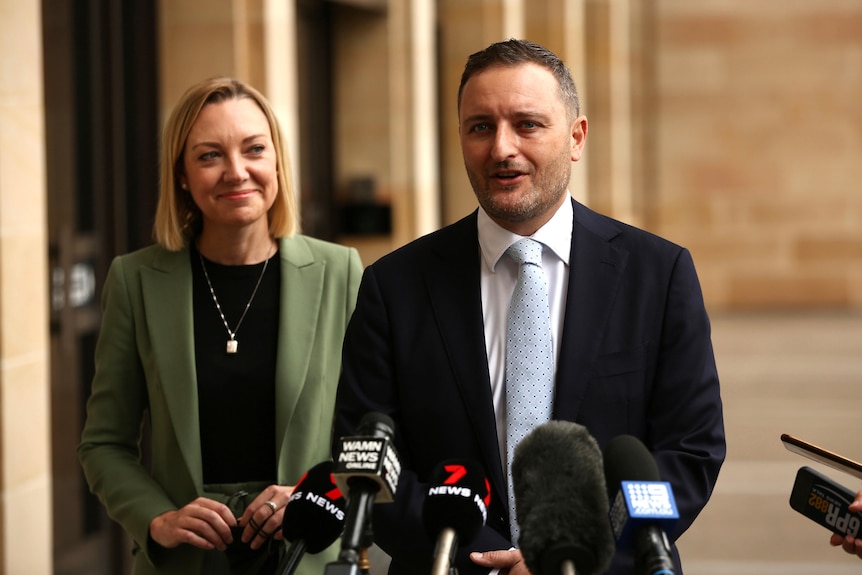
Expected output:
{"points": [[184, 186]]}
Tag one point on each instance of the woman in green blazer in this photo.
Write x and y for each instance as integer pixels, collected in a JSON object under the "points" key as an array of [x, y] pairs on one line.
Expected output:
{"points": [[225, 339]]}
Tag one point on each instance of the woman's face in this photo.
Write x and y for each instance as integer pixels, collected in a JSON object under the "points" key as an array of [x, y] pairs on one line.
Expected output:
{"points": [[230, 165]]}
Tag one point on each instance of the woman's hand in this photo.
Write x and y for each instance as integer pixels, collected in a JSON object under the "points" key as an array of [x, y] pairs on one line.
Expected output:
{"points": [[204, 523], [264, 516]]}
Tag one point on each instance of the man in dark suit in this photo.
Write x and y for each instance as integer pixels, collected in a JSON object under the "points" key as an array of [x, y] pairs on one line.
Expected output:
{"points": [[631, 337]]}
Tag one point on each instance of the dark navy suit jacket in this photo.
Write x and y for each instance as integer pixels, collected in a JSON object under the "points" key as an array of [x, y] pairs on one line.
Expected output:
{"points": [[636, 358]]}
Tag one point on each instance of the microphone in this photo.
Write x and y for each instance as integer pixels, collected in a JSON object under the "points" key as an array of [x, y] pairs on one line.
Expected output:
{"points": [[366, 471], [313, 517], [561, 502], [644, 509], [455, 508], [825, 502]]}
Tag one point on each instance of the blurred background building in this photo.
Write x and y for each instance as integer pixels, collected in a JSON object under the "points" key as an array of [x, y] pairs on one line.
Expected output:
{"points": [[733, 127]]}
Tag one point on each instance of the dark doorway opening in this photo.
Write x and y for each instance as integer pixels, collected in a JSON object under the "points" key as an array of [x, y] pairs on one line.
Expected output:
{"points": [[101, 126]]}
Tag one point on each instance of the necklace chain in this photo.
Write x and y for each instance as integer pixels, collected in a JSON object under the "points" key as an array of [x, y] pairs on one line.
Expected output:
{"points": [[232, 343]]}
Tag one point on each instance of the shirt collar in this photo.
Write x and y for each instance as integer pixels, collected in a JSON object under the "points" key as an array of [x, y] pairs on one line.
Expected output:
{"points": [[556, 234]]}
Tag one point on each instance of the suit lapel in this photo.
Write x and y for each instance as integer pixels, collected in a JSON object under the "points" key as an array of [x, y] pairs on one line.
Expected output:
{"points": [[596, 268], [455, 270], [301, 292], [167, 294]]}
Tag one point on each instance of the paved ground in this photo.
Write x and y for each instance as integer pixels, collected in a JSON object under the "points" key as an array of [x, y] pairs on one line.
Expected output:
{"points": [[781, 373]]}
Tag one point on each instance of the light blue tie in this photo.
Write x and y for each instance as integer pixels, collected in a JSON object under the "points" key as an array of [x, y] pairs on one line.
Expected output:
{"points": [[529, 355]]}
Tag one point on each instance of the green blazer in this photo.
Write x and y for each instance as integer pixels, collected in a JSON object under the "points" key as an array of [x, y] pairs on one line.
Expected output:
{"points": [[145, 361]]}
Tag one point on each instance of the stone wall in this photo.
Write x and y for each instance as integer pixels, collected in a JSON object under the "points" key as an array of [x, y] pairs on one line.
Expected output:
{"points": [[757, 147]]}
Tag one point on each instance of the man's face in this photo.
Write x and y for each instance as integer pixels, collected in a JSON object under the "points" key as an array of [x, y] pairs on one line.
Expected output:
{"points": [[518, 144]]}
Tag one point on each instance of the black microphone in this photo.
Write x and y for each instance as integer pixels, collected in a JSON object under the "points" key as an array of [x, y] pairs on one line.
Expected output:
{"points": [[314, 516], [643, 510], [455, 508], [561, 501], [366, 471]]}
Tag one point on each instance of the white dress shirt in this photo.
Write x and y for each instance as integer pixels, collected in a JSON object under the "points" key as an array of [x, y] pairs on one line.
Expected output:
{"points": [[498, 277]]}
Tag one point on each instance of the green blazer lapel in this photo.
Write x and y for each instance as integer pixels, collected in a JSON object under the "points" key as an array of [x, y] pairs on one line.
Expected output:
{"points": [[167, 295], [301, 292]]}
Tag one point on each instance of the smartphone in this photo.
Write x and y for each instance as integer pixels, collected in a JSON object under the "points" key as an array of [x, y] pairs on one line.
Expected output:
{"points": [[820, 455]]}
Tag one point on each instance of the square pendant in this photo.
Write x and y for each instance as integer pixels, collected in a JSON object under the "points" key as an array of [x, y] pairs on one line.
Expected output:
{"points": [[232, 344]]}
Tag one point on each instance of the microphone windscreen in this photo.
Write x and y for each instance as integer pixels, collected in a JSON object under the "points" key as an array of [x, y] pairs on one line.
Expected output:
{"points": [[458, 498], [376, 424], [628, 459], [561, 501], [316, 509]]}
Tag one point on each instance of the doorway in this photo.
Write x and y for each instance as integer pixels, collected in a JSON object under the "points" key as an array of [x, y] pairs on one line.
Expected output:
{"points": [[101, 161]]}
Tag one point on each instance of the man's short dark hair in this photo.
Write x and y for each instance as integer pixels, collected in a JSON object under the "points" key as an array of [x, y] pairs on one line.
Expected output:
{"points": [[513, 52]]}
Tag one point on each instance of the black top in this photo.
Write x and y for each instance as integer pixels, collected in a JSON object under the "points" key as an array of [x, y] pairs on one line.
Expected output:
{"points": [[236, 392]]}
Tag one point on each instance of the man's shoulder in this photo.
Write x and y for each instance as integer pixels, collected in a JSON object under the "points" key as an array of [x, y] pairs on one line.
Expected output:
{"points": [[620, 233], [460, 235]]}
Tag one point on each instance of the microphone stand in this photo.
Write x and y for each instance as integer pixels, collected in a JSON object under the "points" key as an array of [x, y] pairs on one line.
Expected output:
{"points": [[292, 558], [367, 541], [341, 568], [364, 562], [445, 553], [348, 562]]}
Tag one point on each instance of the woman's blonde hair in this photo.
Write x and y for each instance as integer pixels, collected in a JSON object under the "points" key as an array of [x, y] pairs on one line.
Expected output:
{"points": [[178, 219]]}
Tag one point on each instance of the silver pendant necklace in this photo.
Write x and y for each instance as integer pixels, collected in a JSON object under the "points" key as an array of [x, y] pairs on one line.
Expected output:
{"points": [[232, 343]]}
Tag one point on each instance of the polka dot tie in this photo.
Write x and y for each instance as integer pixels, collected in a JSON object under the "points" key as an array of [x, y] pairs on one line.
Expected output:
{"points": [[529, 355]]}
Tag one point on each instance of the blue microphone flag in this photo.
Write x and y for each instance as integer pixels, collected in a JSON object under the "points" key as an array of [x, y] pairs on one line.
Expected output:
{"points": [[640, 503]]}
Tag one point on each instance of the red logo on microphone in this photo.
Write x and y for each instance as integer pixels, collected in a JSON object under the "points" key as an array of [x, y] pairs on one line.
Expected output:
{"points": [[456, 472], [333, 494]]}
